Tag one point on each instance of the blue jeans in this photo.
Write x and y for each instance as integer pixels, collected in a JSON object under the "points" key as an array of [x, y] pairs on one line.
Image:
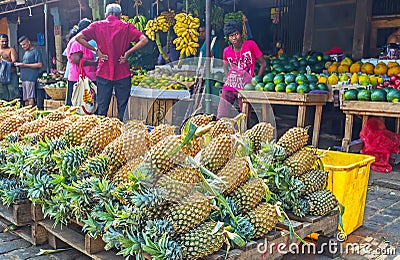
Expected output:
{"points": [[122, 90]]}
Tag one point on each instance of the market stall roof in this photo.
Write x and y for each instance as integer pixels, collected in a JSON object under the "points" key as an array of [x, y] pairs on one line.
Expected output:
{"points": [[9, 6]]}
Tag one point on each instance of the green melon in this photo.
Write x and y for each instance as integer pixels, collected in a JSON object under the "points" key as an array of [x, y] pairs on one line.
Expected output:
{"points": [[269, 87], [350, 94], [280, 87], [378, 95], [364, 95]]}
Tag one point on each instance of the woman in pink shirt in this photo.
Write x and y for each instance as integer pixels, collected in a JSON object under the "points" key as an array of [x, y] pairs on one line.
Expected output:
{"points": [[75, 54], [239, 62]]}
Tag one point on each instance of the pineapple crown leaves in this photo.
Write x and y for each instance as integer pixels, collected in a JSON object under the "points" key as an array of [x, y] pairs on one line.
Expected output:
{"points": [[141, 176], [148, 198], [69, 161], [12, 191], [97, 166], [154, 229], [39, 186], [128, 242], [187, 137], [163, 249]]}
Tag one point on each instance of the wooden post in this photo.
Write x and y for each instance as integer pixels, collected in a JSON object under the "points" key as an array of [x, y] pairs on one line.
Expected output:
{"points": [[308, 26], [57, 37], [361, 27]]}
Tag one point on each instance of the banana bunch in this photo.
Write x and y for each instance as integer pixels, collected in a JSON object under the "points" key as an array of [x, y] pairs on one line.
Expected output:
{"points": [[87, 97], [124, 18], [153, 26], [187, 34], [169, 16], [139, 22]]}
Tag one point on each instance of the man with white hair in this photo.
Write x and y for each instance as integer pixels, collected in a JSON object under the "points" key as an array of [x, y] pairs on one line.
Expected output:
{"points": [[113, 38]]}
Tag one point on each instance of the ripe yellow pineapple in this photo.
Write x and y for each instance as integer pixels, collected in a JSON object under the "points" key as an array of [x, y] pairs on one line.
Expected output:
{"points": [[222, 126], [121, 176], [11, 124], [113, 152], [234, 173], [161, 159], [32, 127], [134, 140], [201, 119], [294, 139], [101, 135], [260, 133], [78, 129], [194, 146], [216, 153], [54, 129], [160, 132]]}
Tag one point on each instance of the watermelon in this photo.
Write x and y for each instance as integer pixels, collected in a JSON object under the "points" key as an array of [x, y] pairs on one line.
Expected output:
{"points": [[280, 87], [364, 95], [255, 80], [312, 78], [289, 78], [260, 86], [248, 86], [378, 95], [269, 87], [313, 86], [268, 78], [303, 88], [393, 96], [322, 86], [350, 94], [301, 79], [291, 87], [279, 78]]}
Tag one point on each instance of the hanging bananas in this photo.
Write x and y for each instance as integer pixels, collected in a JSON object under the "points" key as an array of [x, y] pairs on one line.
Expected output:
{"points": [[187, 35], [169, 16], [153, 26], [139, 21]]}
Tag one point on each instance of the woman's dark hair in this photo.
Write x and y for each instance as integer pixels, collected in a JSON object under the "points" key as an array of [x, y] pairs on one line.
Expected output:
{"points": [[233, 26], [77, 28]]}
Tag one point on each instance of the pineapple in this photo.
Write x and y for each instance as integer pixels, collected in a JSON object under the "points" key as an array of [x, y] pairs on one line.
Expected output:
{"points": [[133, 142], [189, 212], [194, 146], [202, 241], [216, 154], [313, 180], [258, 134], [300, 162], [160, 132], [178, 182], [294, 139], [96, 166], [11, 124], [201, 119], [234, 173], [121, 176], [263, 219], [70, 160], [113, 152], [321, 202], [32, 127], [101, 135], [75, 133], [161, 158], [57, 115], [54, 129], [222, 126], [249, 194]]}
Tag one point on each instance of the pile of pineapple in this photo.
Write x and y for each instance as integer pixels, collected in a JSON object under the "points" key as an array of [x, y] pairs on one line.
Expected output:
{"points": [[170, 193]]}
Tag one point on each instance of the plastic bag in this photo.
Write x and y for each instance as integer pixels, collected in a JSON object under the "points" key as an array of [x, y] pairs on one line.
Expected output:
{"points": [[5, 72], [84, 94], [379, 142]]}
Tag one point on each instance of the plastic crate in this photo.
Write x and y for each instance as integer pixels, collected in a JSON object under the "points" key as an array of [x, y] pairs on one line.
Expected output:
{"points": [[348, 180]]}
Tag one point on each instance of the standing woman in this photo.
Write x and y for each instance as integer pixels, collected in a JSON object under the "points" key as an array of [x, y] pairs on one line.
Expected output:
{"points": [[76, 55]]}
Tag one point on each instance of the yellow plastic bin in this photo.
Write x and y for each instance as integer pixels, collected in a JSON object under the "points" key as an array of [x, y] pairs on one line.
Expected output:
{"points": [[348, 180]]}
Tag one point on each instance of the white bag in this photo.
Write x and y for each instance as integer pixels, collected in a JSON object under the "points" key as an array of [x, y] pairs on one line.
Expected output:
{"points": [[84, 94]]}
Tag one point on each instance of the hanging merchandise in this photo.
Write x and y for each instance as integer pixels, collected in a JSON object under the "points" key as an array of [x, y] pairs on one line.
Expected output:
{"points": [[186, 29], [151, 30]]}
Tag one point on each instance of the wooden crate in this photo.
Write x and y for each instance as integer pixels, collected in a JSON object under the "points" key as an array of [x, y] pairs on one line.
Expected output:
{"points": [[50, 104], [327, 225], [18, 213], [72, 236]]}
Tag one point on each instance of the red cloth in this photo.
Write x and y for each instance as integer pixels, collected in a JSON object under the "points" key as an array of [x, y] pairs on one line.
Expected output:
{"points": [[113, 38], [334, 50], [379, 142]]}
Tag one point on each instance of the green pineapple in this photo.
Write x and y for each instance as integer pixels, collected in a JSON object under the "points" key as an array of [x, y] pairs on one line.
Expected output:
{"points": [[313, 180], [233, 174], [301, 161], [321, 202], [249, 194], [263, 219], [189, 212], [215, 155], [294, 139], [258, 134]]}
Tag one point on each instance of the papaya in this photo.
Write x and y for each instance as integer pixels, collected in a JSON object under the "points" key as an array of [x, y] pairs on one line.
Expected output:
{"points": [[355, 67], [323, 79], [393, 70], [333, 68], [392, 64], [333, 79], [367, 68], [354, 79], [380, 68], [363, 80], [343, 69], [346, 61]]}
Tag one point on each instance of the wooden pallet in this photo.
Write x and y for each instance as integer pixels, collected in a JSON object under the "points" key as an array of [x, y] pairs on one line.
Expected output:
{"points": [[326, 225], [72, 236]]}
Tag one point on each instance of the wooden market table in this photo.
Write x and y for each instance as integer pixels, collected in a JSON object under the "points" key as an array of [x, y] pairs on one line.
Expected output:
{"points": [[366, 109], [153, 106], [291, 99]]}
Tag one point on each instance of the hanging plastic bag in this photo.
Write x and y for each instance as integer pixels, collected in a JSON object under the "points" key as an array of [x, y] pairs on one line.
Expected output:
{"points": [[379, 142], [84, 95], [5, 72]]}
